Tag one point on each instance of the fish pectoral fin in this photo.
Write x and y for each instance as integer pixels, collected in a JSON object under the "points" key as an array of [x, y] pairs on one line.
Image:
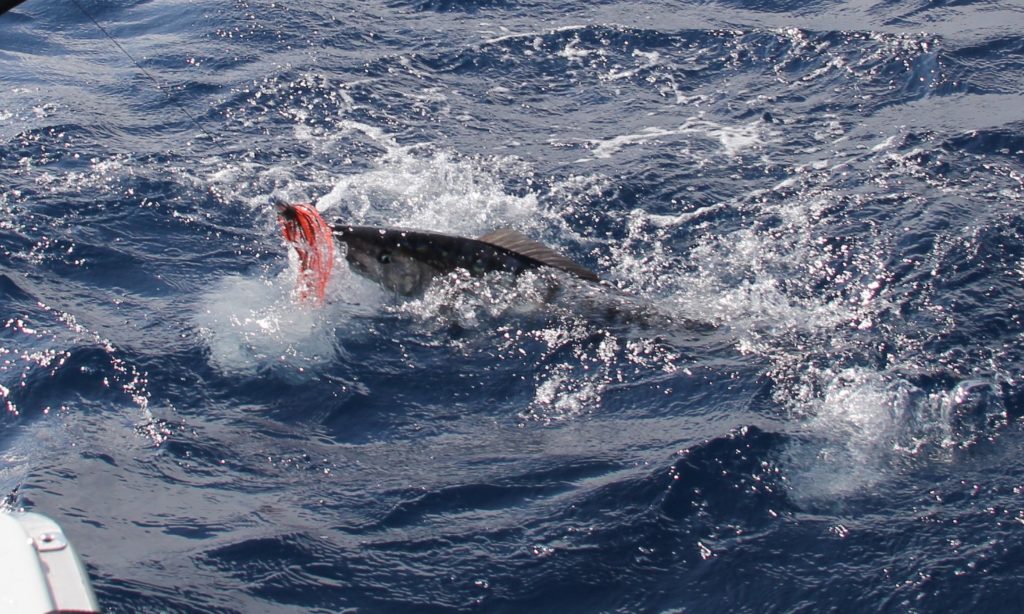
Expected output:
{"points": [[515, 241]]}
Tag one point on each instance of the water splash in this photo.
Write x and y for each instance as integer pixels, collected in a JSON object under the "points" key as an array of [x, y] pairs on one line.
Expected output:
{"points": [[252, 325], [432, 191], [554, 330]]}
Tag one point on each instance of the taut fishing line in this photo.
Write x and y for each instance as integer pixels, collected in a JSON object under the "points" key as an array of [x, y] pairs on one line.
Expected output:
{"points": [[156, 83]]}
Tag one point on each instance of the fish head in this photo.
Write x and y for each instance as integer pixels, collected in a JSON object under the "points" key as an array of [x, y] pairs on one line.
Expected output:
{"points": [[386, 257]]}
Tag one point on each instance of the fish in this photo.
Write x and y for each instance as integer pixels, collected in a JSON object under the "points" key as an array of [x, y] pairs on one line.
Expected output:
{"points": [[407, 261]]}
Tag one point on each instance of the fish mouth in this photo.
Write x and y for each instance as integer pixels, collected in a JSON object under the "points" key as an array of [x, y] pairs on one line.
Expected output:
{"points": [[284, 208]]}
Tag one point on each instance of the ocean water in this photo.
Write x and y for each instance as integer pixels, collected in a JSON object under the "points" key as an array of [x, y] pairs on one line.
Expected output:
{"points": [[798, 390]]}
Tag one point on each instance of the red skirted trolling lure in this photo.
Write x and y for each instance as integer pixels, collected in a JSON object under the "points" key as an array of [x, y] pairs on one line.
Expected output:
{"points": [[313, 241]]}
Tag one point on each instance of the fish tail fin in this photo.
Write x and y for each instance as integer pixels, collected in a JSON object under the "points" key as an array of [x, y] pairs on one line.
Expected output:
{"points": [[306, 231]]}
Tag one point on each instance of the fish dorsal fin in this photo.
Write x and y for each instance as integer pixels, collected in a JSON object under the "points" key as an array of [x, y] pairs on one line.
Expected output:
{"points": [[520, 244]]}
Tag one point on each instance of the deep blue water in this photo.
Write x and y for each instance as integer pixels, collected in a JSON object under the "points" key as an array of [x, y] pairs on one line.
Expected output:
{"points": [[802, 393]]}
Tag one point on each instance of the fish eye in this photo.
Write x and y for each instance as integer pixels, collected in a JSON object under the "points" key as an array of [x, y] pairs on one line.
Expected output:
{"points": [[384, 257]]}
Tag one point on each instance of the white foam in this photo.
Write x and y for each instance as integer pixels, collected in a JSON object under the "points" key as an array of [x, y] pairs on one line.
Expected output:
{"points": [[532, 35], [732, 140], [430, 191], [608, 147], [573, 53], [254, 324], [849, 433], [809, 308]]}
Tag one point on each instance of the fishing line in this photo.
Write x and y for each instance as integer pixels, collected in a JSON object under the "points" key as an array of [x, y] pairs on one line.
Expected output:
{"points": [[156, 83]]}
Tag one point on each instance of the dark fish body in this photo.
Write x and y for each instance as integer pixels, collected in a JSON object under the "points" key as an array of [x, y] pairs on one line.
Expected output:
{"points": [[405, 261]]}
